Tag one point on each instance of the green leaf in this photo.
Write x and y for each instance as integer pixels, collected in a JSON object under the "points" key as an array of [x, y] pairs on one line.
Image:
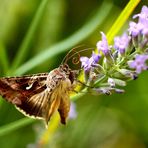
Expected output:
{"points": [[70, 42], [4, 58], [29, 36], [15, 125]]}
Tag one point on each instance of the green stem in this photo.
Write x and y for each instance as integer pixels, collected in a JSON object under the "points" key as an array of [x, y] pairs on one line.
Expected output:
{"points": [[15, 125], [70, 42], [79, 95], [122, 19], [29, 36]]}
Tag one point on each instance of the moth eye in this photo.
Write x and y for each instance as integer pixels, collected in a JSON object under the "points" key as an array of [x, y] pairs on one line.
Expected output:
{"points": [[66, 66]]}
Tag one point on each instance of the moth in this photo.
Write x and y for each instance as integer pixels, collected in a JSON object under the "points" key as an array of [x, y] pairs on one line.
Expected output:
{"points": [[40, 95]]}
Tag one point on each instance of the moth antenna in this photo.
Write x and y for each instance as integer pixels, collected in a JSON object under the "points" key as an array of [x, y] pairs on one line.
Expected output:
{"points": [[75, 60], [66, 57]]}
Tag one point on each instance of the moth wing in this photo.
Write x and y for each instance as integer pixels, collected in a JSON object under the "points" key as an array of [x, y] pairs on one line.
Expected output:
{"points": [[41, 105], [64, 108], [17, 89], [32, 97]]}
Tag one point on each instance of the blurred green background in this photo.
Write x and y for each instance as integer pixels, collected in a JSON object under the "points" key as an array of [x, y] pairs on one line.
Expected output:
{"points": [[116, 121]]}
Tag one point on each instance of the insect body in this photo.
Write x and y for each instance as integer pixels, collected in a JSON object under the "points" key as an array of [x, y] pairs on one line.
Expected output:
{"points": [[42, 94]]}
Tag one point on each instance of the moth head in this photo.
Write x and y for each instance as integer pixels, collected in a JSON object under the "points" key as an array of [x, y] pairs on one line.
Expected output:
{"points": [[67, 70]]}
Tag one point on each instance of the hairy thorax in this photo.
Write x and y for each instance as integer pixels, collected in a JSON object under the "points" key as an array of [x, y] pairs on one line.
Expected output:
{"points": [[58, 80]]}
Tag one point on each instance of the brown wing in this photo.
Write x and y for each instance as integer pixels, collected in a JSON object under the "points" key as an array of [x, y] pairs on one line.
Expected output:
{"points": [[28, 93], [15, 89], [41, 105]]}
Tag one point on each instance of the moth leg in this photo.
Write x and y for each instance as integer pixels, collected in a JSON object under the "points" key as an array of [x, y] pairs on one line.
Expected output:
{"points": [[75, 91], [84, 84]]}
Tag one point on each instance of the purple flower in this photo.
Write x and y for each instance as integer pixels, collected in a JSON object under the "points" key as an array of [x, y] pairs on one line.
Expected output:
{"points": [[72, 112], [95, 58], [103, 45], [143, 19], [145, 29], [143, 15], [111, 82], [139, 63], [87, 63], [134, 29], [121, 43]]}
